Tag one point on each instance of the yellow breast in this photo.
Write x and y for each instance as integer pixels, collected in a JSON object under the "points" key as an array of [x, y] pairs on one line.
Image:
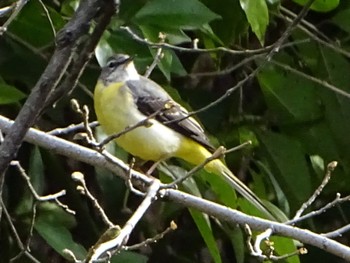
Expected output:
{"points": [[116, 110]]}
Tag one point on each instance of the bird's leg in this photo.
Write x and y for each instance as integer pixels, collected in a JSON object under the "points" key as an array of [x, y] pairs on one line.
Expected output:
{"points": [[153, 167], [129, 182]]}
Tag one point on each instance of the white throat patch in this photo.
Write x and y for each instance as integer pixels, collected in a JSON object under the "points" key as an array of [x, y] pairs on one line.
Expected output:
{"points": [[132, 72]]}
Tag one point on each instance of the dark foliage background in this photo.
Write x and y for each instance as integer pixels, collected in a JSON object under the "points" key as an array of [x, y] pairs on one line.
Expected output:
{"points": [[295, 110]]}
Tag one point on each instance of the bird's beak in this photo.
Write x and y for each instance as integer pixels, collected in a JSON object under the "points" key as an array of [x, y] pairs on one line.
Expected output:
{"points": [[129, 60]]}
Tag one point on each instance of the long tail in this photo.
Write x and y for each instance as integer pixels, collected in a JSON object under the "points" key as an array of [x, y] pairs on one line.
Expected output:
{"points": [[220, 168]]}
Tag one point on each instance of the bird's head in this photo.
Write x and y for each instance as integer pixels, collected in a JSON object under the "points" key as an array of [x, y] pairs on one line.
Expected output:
{"points": [[119, 68]]}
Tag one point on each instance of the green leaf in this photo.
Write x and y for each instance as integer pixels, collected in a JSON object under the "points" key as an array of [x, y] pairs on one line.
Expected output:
{"points": [[318, 164], [257, 15], [320, 5], [36, 175], [288, 164], [238, 242], [53, 225], [209, 37], [33, 26], [203, 224], [183, 14], [332, 67], [284, 246], [169, 63], [280, 196], [202, 220], [20, 65], [290, 98], [103, 49], [121, 42], [129, 257], [69, 6], [173, 36], [342, 19], [328, 137], [36, 171], [318, 139], [9, 94], [233, 24], [221, 188]]}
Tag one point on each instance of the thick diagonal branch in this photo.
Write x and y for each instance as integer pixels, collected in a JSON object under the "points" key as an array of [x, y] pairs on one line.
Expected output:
{"points": [[66, 42]]}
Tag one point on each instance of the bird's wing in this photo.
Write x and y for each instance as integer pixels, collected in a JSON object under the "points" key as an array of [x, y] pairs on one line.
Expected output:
{"points": [[150, 98]]}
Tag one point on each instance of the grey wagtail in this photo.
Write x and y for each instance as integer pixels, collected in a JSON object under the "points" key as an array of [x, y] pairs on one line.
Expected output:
{"points": [[123, 98]]}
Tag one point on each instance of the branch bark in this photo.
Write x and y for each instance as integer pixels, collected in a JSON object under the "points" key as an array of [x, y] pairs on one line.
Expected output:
{"points": [[66, 42], [91, 157]]}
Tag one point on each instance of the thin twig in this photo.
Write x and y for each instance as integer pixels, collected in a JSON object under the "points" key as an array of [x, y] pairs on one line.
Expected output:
{"points": [[338, 200], [217, 154], [129, 180], [66, 41], [63, 147], [154, 239], [260, 238], [256, 252], [51, 197], [228, 70], [157, 57], [72, 128], [221, 151], [16, 235], [303, 23], [108, 9], [311, 78], [31, 229], [122, 237], [79, 177], [333, 46], [17, 9], [145, 122], [338, 232], [238, 147], [37, 197], [235, 217], [273, 49], [244, 62], [196, 49], [84, 112], [27, 45], [220, 99], [330, 168], [48, 17], [277, 45]]}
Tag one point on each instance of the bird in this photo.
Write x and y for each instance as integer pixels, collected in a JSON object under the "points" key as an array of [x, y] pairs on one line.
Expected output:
{"points": [[123, 98]]}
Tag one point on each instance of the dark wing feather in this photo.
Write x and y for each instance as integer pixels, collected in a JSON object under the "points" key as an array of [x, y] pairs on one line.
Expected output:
{"points": [[151, 98]]}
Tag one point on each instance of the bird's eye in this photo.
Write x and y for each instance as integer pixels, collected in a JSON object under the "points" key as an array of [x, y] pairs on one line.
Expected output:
{"points": [[117, 61], [112, 64]]}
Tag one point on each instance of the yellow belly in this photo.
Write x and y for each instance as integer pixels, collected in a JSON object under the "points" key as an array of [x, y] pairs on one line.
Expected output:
{"points": [[154, 142]]}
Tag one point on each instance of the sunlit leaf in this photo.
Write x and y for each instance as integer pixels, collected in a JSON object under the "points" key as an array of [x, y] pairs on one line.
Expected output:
{"points": [[176, 14], [257, 16], [320, 5], [9, 94]]}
